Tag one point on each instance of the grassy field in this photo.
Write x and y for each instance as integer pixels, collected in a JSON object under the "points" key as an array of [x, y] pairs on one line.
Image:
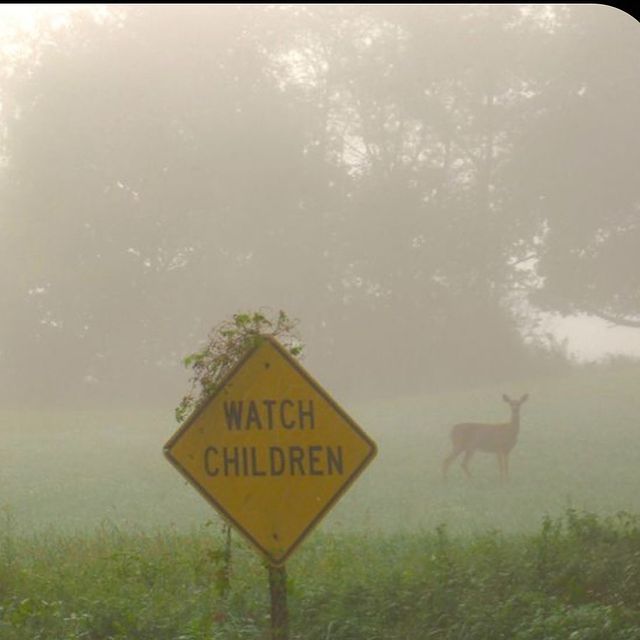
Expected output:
{"points": [[578, 448], [100, 538], [577, 578]]}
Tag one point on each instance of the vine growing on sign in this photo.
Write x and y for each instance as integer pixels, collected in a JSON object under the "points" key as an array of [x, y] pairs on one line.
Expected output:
{"points": [[227, 343]]}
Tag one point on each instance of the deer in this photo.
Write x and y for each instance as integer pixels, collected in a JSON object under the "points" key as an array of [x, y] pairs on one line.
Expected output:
{"points": [[499, 438]]}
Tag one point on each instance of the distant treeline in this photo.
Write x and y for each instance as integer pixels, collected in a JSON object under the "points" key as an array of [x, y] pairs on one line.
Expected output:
{"points": [[415, 183]]}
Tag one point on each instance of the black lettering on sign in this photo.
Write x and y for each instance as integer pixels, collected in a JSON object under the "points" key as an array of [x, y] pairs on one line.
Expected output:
{"points": [[287, 424], [315, 461], [257, 462], [210, 454], [258, 414], [276, 461], [256, 471], [230, 457], [304, 414], [245, 460], [253, 417], [334, 461], [233, 414], [269, 406], [296, 460]]}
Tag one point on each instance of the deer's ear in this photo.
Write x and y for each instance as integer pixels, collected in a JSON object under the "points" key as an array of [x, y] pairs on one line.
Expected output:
{"points": [[506, 398], [524, 397]]}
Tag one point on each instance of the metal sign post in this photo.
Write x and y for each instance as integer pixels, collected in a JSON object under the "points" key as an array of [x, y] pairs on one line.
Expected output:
{"points": [[279, 609]]}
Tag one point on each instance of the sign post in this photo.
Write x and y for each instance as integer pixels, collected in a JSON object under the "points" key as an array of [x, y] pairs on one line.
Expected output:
{"points": [[272, 452], [279, 609]]}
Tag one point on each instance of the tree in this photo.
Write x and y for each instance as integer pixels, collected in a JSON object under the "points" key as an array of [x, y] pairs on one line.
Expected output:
{"points": [[577, 169], [428, 131], [131, 184], [394, 175]]}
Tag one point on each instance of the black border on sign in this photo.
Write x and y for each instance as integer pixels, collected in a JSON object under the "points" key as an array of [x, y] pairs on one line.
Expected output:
{"points": [[280, 560]]}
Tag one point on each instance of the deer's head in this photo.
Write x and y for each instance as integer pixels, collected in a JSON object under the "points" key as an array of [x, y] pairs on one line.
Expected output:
{"points": [[515, 404]]}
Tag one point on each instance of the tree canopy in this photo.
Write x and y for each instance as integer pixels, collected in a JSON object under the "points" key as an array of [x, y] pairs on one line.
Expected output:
{"points": [[401, 178]]}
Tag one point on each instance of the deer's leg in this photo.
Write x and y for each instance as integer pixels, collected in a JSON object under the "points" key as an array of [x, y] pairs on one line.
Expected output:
{"points": [[448, 460], [503, 464], [468, 454]]}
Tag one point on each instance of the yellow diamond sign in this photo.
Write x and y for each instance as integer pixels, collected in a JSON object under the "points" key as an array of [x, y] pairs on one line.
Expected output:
{"points": [[271, 450]]}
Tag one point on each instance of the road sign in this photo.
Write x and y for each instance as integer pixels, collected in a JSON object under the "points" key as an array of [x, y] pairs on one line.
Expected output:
{"points": [[271, 450]]}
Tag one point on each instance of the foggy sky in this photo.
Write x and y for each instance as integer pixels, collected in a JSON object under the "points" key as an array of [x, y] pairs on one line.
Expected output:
{"points": [[377, 172]]}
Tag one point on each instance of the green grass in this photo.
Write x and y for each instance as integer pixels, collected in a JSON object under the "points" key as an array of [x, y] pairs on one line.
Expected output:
{"points": [[578, 578], [100, 538]]}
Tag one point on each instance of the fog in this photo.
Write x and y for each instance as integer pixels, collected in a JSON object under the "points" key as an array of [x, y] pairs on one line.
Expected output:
{"points": [[444, 197]]}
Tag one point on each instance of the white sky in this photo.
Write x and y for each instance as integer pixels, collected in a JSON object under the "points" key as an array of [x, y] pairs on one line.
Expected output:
{"points": [[591, 338], [24, 16]]}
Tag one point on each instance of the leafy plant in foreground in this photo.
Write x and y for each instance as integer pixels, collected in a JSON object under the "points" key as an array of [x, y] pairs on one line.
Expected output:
{"points": [[228, 342]]}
